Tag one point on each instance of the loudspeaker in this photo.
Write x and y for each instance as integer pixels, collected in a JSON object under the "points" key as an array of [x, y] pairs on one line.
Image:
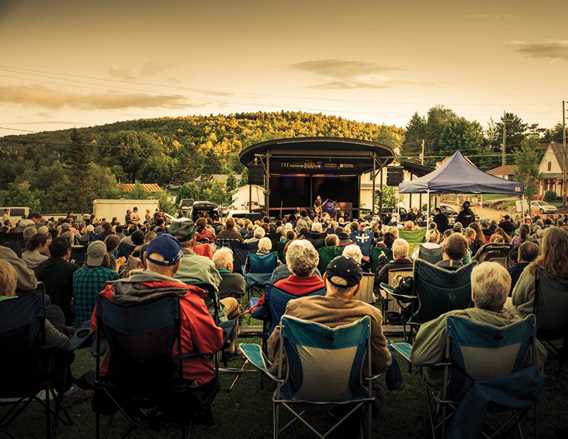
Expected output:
{"points": [[256, 175], [395, 175]]}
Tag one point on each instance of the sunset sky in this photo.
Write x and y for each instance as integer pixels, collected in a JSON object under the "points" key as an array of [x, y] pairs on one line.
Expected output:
{"points": [[66, 63]]}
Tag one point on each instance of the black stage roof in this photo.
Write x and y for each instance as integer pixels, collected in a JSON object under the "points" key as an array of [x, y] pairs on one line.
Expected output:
{"points": [[318, 155]]}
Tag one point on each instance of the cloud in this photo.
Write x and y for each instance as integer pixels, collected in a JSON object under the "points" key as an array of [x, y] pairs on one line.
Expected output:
{"points": [[349, 75], [115, 71], [36, 95], [152, 68], [341, 69], [553, 49]]}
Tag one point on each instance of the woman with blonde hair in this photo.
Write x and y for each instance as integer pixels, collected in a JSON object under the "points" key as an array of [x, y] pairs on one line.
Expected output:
{"points": [[553, 259]]}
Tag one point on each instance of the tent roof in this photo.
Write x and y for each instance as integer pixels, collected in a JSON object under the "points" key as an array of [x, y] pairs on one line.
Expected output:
{"points": [[459, 175]]}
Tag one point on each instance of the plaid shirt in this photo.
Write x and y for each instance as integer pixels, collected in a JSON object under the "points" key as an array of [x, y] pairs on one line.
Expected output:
{"points": [[87, 283]]}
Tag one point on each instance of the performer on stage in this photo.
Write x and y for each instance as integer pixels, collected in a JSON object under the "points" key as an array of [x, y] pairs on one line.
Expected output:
{"points": [[318, 206]]}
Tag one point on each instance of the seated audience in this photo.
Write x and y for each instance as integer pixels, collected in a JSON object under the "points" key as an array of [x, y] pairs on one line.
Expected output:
{"points": [[57, 275], [232, 284], [193, 267], [26, 277], [552, 258], [53, 337], [490, 286], [204, 232], [264, 246], [527, 253], [37, 250], [353, 251], [230, 231], [329, 251], [302, 261], [429, 251], [400, 260], [316, 235], [257, 234], [199, 333], [455, 250], [90, 279], [339, 307]]}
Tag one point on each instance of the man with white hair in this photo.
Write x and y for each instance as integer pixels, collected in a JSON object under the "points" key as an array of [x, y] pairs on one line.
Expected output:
{"points": [[490, 286], [316, 235], [264, 246], [400, 260], [257, 234], [353, 251]]}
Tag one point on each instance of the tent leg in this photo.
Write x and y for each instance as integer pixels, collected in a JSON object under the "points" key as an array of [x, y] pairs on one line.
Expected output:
{"points": [[428, 212]]}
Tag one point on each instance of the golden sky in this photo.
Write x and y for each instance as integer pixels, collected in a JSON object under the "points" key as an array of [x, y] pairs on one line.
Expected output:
{"points": [[67, 63]]}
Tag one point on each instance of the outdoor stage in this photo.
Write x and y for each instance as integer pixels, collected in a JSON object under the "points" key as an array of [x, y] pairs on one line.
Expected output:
{"points": [[297, 170]]}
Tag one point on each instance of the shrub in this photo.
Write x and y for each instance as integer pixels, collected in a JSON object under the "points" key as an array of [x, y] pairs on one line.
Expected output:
{"points": [[550, 196]]}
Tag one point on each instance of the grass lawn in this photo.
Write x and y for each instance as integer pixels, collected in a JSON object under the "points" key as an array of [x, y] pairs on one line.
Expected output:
{"points": [[246, 412]]}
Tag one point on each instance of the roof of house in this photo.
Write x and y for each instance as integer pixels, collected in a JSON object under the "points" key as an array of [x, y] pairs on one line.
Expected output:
{"points": [[503, 170], [146, 187], [558, 149]]}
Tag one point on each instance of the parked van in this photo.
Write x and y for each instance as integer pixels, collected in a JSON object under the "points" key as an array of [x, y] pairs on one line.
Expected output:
{"points": [[15, 213]]}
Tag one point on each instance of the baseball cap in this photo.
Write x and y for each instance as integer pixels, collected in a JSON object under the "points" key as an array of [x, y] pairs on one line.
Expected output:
{"points": [[343, 272], [167, 247], [185, 233], [96, 253]]}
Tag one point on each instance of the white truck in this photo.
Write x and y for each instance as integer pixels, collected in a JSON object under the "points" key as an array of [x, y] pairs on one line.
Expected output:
{"points": [[108, 209]]}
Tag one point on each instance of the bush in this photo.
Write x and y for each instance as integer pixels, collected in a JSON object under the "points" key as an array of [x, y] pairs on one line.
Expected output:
{"points": [[550, 196]]}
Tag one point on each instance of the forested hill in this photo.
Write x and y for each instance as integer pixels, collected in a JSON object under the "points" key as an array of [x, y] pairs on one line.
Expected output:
{"points": [[66, 169]]}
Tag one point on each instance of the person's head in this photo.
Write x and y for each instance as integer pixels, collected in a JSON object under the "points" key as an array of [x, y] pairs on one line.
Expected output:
{"points": [[163, 255], [458, 227], [470, 234], [200, 224], [38, 242], [342, 277], [36, 217], [112, 242], [60, 248], [465, 205], [137, 237], [317, 227], [437, 211], [290, 235], [528, 252], [149, 236], [259, 233], [230, 223], [388, 239], [29, 232], [490, 286], [97, 254], [400, 249], [409, 225], [432, 236], [223, 259], [331, 240], [135, 210], [302, 258], [354, 252], [455, 247], [553, 255], [264, 245], [8, 279], [524, 232]]}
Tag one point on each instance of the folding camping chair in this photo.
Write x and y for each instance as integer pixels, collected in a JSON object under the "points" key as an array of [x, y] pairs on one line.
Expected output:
{"points": [[551, 310], [26, 369], [142, 378], [241, 251], [493, 252], [397, 307], [326, 367], [377, 260], [486, 370], [438, 291], [258, 271], [367, 288]]}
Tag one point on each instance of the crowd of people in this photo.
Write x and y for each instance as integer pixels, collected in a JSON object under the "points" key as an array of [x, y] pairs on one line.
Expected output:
{"points": [[143, 258]]}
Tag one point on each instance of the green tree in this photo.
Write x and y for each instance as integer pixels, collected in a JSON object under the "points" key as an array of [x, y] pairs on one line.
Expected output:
{"points": [[516, 131], [21, 194], [527, 162], [415, 133], [212, 164]]}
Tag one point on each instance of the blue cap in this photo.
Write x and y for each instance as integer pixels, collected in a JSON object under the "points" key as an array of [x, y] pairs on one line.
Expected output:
{"points": [[166, 246]]}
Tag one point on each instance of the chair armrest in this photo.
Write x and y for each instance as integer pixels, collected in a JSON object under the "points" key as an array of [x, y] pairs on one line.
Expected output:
{"points": [[254, 355], [407, 297], [403, 348], [374, 377], [82, 338]]}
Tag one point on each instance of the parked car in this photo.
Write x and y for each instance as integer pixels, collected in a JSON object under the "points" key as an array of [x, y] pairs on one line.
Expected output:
{"points": [[543, 207]]}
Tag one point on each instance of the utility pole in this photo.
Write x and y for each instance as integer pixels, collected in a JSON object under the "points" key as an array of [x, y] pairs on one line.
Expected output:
{"points": [[422, 147], [564, 192], [504, 144]]}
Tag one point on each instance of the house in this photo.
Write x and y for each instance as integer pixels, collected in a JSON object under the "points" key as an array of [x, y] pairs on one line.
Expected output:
{"points": [[146, 187], [506, 172], [551, 169]]}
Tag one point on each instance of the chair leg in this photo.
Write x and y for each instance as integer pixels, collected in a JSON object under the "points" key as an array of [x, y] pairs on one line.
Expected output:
{"points": [[370, 421], [97, 425], [275, 421], [48, 432]]}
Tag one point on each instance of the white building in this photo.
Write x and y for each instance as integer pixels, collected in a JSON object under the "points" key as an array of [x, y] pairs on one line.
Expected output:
{"points": [[241, 197], [551, 169]]}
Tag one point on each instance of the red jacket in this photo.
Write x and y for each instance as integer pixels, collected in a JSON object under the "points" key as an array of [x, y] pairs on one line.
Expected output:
{"points": [[199, 333]]}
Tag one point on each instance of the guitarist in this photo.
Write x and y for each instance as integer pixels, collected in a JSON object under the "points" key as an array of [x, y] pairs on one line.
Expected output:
{"points": [[318, 206]]}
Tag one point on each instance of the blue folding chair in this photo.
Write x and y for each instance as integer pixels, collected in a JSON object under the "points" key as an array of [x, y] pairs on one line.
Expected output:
{"points": [[486, 370], [325, 367]]}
